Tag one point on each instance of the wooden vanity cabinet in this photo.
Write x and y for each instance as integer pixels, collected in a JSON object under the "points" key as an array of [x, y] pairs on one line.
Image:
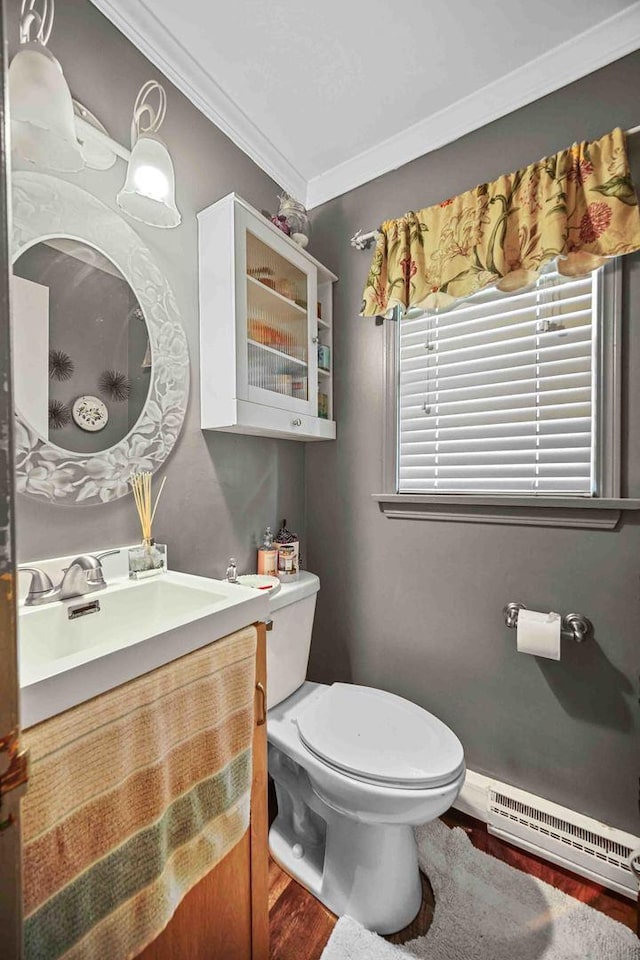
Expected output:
{"points": [[226, 915]]}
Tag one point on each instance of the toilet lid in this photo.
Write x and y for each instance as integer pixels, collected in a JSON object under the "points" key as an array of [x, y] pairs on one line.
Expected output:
{"points": [[375, 735]]}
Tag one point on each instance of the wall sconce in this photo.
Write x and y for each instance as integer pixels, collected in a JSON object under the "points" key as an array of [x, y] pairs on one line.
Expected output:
{"points": [[54, 132], [149, 189], [42, 120]]}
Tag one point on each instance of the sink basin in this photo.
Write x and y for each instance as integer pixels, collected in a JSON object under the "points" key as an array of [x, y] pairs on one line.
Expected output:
{"points": [[126, 615], [139, 626]]}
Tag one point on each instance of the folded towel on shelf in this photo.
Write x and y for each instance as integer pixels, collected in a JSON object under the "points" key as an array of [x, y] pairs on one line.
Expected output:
{"points": [[133, 797]]}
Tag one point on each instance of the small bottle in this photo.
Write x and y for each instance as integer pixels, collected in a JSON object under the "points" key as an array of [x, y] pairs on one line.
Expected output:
{"points": [[288, 553], [268, 556]]}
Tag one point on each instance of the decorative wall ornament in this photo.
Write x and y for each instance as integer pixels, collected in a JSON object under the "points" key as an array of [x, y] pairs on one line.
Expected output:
{"points": [[59, 415], [61, 365], [45, 206], [296, 217], [90, 413], [114, 385]]}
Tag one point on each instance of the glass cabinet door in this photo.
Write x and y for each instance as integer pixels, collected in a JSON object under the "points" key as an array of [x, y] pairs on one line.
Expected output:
{"points": [[276, 320]]}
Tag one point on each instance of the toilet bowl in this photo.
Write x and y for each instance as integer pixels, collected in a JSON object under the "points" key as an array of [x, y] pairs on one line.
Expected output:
{"points": [[355, 769]]}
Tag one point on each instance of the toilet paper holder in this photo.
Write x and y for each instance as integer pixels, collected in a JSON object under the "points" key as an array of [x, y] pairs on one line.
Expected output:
{"points": [[575, 626]]}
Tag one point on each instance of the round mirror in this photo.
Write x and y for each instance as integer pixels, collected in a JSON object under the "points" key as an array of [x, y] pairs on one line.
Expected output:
{"points": [[82, 359], [100, 361]]}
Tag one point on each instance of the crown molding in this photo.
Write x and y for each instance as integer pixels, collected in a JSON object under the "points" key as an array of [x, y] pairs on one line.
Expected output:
{"points": [[141, 26], [588, 51]]}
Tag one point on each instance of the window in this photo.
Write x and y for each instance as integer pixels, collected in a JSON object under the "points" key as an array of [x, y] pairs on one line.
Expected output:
{"points": [[512, 394]]}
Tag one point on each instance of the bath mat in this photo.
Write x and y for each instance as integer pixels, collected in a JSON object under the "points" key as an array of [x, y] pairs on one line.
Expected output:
{"points": [[133, 798], [487, 910]]}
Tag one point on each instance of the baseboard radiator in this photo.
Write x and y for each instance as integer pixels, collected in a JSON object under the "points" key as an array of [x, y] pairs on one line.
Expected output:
{"points": [[565, 837]]}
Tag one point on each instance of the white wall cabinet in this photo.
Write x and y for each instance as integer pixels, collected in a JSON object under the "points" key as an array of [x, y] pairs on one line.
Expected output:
{"points": [[265, 307]]}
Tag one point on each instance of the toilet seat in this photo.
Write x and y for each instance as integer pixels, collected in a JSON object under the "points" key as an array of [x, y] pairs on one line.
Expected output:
{"points": [[378, 737]]}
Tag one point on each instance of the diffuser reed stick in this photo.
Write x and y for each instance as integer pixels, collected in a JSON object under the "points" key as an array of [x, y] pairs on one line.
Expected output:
{"points": [[141, 489], [164, 480]]}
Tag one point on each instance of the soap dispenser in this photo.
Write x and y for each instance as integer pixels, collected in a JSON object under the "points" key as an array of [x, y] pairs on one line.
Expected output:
{"points": [[268, 556]]}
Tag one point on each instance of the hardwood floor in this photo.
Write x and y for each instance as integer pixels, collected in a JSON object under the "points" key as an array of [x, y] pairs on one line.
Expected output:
{"points": [[300, 925]]}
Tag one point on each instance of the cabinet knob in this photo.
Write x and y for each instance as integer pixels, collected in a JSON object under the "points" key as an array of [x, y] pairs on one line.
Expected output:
{"points": [[297, 422], [315, 339]]}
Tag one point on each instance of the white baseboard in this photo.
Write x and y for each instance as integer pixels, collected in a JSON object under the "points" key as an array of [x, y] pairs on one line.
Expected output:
{"points": [[473, 799], [570, 839]]}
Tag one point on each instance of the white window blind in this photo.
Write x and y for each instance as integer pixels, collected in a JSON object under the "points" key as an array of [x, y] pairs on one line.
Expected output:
{"points": [[496, 395]]}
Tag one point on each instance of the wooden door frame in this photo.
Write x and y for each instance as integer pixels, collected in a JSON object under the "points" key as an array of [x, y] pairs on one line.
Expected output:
{"points": [[10, 874]]}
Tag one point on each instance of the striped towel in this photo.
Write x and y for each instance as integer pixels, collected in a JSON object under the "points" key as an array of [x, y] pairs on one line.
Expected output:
{"points": [[133, 797]]}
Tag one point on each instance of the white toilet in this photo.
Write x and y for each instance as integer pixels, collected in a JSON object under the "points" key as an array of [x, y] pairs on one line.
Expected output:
{"points": [[355, 769]]}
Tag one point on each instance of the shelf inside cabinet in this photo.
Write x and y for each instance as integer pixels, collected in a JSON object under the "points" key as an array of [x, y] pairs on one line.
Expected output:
{"points": [[324, 373], [323, 323], [278, 353], [264, 297]]}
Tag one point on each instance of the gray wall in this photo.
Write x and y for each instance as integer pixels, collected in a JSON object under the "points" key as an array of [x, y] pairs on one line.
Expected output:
{"points": [[415, 606], [221, 490]]}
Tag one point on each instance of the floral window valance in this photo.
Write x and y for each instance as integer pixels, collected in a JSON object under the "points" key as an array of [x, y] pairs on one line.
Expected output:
{"points": [[579, 206]]}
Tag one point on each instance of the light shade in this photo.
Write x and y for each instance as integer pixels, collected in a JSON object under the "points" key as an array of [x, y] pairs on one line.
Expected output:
{"points": [[149, 190], [42, 120]]}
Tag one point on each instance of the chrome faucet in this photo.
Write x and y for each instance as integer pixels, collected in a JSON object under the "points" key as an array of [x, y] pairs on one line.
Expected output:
{"points": [[232, 571], [83, 575], [41, 589]]}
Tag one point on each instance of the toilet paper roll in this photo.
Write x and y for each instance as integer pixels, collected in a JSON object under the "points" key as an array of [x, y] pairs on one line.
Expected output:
{"points": [[539, 633]]}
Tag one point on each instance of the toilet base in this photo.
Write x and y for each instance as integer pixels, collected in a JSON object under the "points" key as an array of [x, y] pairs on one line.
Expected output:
{"points": [[368, 871], [349, 842]]}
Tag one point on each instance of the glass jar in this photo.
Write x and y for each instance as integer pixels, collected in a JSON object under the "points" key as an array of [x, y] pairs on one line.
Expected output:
{"points": [[147, 560]]}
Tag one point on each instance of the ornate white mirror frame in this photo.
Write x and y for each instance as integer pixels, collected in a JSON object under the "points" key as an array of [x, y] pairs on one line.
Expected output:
{"points": [[45, 207]]}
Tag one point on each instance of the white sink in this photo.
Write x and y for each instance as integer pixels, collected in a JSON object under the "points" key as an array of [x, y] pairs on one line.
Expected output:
{"points": [[139, 626]]}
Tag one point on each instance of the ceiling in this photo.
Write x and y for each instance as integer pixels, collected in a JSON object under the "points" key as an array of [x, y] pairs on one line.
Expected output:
{"points": [[325, 96]]}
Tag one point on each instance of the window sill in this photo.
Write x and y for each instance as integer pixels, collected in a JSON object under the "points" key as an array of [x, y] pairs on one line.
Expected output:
{"points": [[594, 513]]}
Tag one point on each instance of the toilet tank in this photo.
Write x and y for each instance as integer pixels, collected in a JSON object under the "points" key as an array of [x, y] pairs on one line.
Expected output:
{"points": [[289, 641]]}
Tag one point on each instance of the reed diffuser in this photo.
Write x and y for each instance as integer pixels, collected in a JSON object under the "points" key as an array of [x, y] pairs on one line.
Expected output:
{"points": [[150, 557]]}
